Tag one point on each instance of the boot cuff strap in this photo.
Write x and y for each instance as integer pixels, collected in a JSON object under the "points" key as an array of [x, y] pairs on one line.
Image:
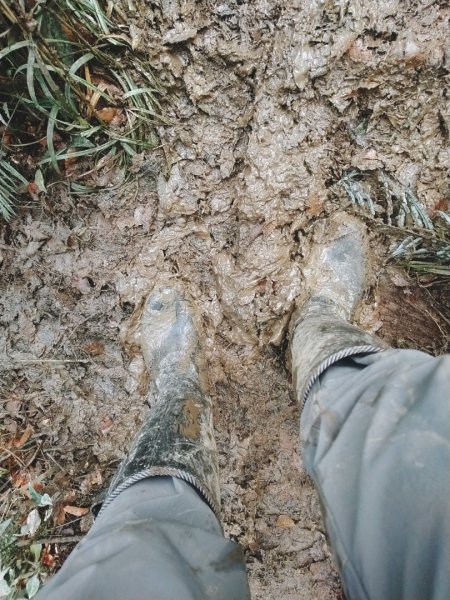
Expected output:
{"points": [[345, 353], [164, 472]]}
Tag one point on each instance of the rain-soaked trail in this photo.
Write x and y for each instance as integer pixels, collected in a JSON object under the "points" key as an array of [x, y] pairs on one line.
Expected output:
{"points": [[270, 103]]}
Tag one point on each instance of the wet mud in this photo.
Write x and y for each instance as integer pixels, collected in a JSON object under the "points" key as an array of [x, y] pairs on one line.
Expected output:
{"points": [[269, 104]]}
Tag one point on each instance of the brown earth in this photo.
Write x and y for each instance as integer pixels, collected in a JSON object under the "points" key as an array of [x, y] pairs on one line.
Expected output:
{"points": [[270, 103]]}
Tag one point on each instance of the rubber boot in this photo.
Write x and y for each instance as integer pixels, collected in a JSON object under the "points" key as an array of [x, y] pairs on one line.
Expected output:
{"points": [[177, 438], [335, 275]]}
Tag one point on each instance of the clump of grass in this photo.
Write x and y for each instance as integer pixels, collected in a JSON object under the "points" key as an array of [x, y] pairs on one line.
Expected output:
{"points": [[72, 87], [351, 182], [11, 181], [424, 244], [424, 254]]}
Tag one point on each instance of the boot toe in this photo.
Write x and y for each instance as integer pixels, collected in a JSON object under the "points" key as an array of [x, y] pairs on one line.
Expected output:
{"points": [[167, 327]]}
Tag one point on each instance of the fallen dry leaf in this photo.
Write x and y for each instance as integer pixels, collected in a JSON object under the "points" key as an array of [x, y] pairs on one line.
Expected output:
{"points": [[76, 511], [23, 438], [106, 424], [94, 348], [38, 487], [7, 138], [33, 190], [20, 479], [71, 163], [284, 522], [107, 114], [48, 559], [93, 479], [59, 516], [68, 32]]}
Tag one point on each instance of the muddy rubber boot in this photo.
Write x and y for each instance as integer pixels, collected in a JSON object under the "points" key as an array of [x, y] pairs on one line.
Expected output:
{"points": [[177, 438], [321, 333]]}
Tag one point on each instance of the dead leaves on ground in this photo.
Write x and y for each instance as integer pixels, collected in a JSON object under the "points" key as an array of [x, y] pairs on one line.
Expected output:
{"points": [[76, 511], [23, 439], [26, 478]]}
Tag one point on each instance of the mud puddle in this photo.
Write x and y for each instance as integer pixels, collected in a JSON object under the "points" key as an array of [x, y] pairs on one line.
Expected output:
{"points": [[270, 102]]}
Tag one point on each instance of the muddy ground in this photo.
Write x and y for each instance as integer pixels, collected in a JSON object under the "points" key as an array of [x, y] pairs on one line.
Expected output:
{"points": [[270, 104]]}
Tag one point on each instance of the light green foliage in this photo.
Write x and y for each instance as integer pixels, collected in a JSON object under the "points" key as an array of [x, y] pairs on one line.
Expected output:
{"points": [[424, 244], [71, 81], [11, 181], [21, 570]]}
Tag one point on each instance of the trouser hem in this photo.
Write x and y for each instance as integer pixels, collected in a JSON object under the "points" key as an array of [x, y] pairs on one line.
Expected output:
{"points": [[163, 472], [344, 353]]}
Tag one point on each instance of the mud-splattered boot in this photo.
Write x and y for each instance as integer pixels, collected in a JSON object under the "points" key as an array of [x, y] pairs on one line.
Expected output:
{"points": [[335, 275], [177, 438]]}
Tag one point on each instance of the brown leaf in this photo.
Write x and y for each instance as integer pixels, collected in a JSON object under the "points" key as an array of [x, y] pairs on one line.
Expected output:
{"points": [[106, 424], [94, 348], [71, 163], [7, 138], [33, 190], [23, 438], [284, 522], [107, 114], [38, 487], [76, 511], [20, 479], [68, 32], [59, 516], [48, 559]]}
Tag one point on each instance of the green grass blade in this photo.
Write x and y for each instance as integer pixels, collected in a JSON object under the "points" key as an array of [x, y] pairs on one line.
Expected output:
{"points": [[52, 88], [10, 169], [13, 48], [45, 70], [428, 267], [10, 183], [50, 132], [30, 74], [101, 18], [138, 91], [80, 62], [87, 152]]}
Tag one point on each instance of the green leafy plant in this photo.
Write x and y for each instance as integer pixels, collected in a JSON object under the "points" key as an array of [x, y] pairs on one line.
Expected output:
{"points": [[11, 181], [72, 86], [21, 568], [424, 245]]}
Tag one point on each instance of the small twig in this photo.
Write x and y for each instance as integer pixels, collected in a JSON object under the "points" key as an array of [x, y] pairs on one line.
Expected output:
{"points": [[64, 539], [12, 454], [33, 361], [29, 462], [49, 456]]}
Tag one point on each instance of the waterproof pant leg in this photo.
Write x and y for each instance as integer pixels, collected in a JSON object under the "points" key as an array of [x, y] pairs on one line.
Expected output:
{"points": [[158, 540], [375, 432]]}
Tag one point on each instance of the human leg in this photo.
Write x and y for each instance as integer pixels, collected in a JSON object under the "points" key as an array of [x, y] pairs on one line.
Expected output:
{"points": [[158, 540], [375, 433], [158, 534]]}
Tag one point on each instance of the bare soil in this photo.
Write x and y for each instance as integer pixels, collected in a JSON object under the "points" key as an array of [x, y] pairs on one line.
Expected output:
{"points": [[269, 104]]}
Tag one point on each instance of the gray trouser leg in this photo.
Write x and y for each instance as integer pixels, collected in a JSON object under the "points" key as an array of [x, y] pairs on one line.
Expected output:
{"points": [[376, 440], [158, 540]]}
